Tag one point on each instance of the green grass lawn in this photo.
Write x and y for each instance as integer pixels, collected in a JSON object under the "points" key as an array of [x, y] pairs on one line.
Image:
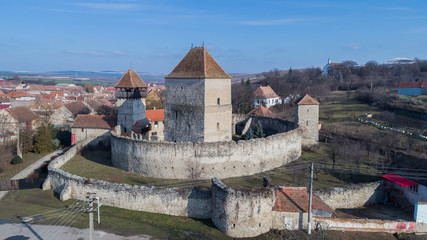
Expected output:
{"points": [[96, 164], [28, 159], [343, 106], [114, 220]]}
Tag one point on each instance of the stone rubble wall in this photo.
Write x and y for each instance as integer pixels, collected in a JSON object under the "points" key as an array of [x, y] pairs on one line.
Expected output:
{"points": [[242, 213], [172, 201], [352, 196], [172, 160]]}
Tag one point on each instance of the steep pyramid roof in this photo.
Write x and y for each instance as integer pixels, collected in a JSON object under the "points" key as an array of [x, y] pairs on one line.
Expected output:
{"points": [[307, 100], [262, 111], [198, 64], [131, 80]]}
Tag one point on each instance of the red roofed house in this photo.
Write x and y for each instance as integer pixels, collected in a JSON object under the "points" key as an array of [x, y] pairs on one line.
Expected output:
{"points": [[412, 88], [157, 121], [330, 65], [11, 118], [290, 209], [92, 126], [261, 111], [266, 96], [404, 192]]}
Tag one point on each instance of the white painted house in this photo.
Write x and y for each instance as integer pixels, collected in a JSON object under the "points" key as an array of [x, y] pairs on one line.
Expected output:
{"points": [[404, 192], [266, 96]]}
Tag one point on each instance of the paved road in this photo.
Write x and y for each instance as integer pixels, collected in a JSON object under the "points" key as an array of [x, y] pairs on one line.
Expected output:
{"points": [[21, 231], [27, 171]]}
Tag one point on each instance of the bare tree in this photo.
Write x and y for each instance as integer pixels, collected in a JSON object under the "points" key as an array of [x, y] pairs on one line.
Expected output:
{"points": [[194, 169]]}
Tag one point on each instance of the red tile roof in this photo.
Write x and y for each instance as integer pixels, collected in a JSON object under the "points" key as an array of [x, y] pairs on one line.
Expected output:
{"points": [[17, 94], [265, 92], [198, 64], [22, 114], [307, 100], [399, 180], [413, 85], [155, 115], [131, 80], [95, 121], [295, 199], [262, 111]]}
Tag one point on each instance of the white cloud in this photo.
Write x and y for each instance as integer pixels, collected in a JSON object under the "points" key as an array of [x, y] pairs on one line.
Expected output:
{"points": [[352, 46], [418, 30], [79, 52], [272, 22], [119, 53], [108, 6], [397, 9]]}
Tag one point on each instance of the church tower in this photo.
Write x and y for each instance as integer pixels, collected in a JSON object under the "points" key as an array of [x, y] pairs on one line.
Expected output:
{"points": [[130, 93], [307, 118], [198, 100]]}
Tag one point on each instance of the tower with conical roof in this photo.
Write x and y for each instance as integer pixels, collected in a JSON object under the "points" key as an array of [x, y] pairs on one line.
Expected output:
{"points": [[130, 93], [307, 118], [198, 100]]}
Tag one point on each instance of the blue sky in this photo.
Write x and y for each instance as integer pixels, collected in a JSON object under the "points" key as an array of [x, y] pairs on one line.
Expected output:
{"points": [[242, 35]]}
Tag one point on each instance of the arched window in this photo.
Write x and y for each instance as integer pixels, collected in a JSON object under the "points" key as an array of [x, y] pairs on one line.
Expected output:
{"points": [[218, 101]]}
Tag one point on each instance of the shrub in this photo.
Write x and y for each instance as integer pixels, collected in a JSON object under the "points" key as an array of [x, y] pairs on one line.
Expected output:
{"points": [[17, 160]]}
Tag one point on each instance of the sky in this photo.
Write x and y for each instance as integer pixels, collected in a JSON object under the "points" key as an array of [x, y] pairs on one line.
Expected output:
{"points": [[244, 36]]}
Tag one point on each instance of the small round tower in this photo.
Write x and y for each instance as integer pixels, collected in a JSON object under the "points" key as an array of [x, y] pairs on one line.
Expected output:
{"points": [[131, 91]]}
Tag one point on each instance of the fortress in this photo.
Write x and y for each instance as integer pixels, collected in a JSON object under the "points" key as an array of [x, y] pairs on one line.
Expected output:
{"points": [[199, 126]]}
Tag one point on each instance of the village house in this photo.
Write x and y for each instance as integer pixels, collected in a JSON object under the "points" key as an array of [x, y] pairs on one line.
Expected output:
{"points": [[404, 192], [156, 118], [412, 88], [329, 66], [266, 96], [91, 126], [17, 117]]}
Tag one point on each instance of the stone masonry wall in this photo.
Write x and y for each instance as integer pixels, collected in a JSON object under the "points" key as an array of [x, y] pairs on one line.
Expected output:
{"points": [[351, 196], [239, 213], [220, 159], [307, 118], [172, 201], [184, 110]]}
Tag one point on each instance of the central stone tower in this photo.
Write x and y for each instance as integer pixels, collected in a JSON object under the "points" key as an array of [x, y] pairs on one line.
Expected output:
{"points": [[130, 93], [198, 100]]}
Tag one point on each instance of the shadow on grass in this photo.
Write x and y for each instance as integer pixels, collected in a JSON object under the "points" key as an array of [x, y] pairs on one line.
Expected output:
{"points": [[99, 154]]}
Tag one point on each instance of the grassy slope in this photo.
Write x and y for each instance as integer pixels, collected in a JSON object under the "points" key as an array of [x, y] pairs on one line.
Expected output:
{"points": [[28, 159], [115, 220]]}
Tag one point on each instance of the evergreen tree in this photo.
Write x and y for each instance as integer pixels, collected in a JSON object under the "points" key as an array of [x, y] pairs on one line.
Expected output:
{"points": [[43, 140], [249, 134], [259, 132]]}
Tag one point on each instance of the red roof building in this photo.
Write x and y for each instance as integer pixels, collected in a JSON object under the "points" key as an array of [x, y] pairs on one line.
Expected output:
{"points": [[131, 80], [296, 199], [155, 115], [261, 111], [399, 180], [307, 100], [198, 64], [413, 85], [94, 121]]}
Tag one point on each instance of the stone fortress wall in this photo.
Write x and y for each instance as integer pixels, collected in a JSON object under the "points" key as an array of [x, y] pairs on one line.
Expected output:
{"points": [[173, 201], [237, 213], [212, 159]]}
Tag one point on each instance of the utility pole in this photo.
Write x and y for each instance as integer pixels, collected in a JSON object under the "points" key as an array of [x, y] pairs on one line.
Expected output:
{"points": [[90, 201], [310, 200]]}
